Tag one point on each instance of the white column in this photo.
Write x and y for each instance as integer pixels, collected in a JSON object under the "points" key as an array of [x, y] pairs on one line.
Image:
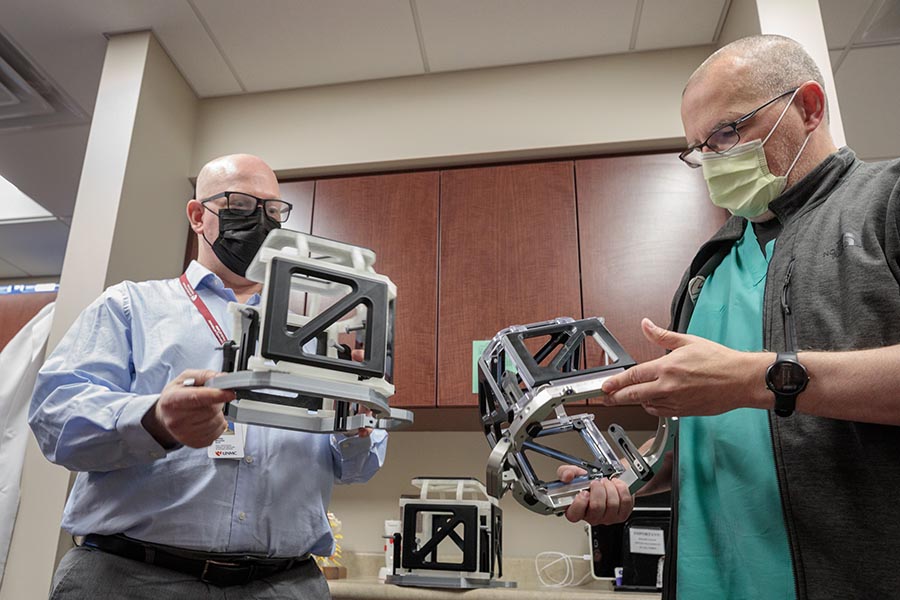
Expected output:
{"points": [[797, 19], [129, 223]]}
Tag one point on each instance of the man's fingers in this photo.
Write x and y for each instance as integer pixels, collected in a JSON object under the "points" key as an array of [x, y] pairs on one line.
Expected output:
{"points": [[642, 373], [641, 393], [626, 500], [576, 510], [201, 397], [566, 473], [202, 437], [599, 504], [196, 377], [663, 337]]}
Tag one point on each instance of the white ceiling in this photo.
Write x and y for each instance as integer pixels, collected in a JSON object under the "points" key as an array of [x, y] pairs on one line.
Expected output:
{"points": [[226, 47]]}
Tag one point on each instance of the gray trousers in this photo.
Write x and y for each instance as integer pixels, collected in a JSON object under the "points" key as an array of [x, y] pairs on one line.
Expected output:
{"points": [[91, 574]]}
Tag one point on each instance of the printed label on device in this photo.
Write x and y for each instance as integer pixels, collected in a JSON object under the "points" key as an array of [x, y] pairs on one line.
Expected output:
{"points": [[646, 541]]}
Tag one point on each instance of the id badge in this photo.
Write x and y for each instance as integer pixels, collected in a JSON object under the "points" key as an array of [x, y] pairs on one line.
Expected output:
{"points": [[230, 444]]}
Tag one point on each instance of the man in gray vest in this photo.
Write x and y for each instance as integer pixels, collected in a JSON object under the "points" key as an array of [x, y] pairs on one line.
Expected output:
{"points": [[784, 350]]}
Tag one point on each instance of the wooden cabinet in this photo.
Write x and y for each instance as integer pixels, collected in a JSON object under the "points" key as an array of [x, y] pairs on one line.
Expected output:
{"points": [[300, 195], [508, 255], [17, 309], [641, 219], [397, 217]]}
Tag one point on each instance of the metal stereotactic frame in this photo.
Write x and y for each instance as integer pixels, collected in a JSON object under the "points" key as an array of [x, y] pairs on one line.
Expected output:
{"points": [[521, 394], [287, 365]]}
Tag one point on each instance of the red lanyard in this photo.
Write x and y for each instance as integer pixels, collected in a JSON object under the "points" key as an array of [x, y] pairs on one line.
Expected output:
{"points": [[202, 308]]}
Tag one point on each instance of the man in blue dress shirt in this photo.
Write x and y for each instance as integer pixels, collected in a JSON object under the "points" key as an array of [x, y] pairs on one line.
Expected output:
{"points": [[161, 516]]}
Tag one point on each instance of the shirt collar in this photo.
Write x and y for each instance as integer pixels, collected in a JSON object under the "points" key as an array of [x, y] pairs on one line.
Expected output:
{"points": [[199, 276]]}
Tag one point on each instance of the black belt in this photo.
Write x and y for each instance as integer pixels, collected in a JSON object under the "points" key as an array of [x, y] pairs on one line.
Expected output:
{"points": [[215, 568]]}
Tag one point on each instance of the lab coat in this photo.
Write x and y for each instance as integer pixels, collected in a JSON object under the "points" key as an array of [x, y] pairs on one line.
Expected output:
{"points": [[19, 365]]}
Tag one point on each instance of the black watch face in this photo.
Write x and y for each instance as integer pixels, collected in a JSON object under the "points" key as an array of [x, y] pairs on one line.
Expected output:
{"points": [[787, 377]]}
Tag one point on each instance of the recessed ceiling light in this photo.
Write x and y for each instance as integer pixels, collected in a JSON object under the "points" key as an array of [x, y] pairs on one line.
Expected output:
{"points": [[16, 206]]}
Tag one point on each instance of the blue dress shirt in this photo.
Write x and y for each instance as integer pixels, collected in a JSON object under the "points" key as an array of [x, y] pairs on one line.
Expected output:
{"points": [[108, 371]]}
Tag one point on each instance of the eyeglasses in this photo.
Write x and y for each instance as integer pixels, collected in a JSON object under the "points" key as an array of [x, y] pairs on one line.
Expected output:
{"points": [[725, 137], [245, 205]]}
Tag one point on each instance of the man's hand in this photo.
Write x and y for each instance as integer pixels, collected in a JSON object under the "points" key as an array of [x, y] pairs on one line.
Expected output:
{"points": [[698, 377], [188, 414], [607, 501]]}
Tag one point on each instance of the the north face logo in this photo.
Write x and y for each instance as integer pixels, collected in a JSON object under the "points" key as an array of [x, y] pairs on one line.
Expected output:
{"points": [[847, 240]]}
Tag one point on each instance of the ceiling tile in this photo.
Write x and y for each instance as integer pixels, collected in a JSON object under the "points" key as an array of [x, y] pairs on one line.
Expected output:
{"points": [[35, 248], [66, 39], [677, 23], [868, 101], [841, 18], [8, 271], [281, 44], [468, 34]]}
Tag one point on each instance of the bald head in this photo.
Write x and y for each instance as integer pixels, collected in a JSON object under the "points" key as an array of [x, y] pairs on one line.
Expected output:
{"points": [[233, 173], [744, 86], [237, 173], [759, 67]]}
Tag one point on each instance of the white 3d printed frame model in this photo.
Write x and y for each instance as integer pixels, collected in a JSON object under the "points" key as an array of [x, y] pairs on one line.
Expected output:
{"points": [[451, 536], [521, 405], [287, 365]]}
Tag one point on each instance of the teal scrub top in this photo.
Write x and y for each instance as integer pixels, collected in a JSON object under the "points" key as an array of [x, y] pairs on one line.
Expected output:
{"points": [[732, 541]]}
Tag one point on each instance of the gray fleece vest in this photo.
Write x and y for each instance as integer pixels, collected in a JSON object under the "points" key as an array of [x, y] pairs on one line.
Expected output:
{"points": [[839, 480]]}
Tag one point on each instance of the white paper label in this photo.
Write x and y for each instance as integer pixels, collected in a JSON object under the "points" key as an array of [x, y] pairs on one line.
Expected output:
{"points": [[230, 444], [646, 541]]}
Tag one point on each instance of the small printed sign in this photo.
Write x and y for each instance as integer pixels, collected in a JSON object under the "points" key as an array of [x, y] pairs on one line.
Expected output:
{"points": [[647, 541]]}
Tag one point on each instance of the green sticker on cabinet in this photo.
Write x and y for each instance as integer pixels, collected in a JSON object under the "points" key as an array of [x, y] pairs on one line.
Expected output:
{"points": [[478, 347]]}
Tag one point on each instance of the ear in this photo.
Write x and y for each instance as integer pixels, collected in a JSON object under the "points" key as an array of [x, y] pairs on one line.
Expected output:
{"points": [[812, 101], [195, 215]]}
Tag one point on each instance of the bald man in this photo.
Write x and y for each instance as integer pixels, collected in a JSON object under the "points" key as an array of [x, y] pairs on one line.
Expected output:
{"points": [[784, 360], [161, 515]]}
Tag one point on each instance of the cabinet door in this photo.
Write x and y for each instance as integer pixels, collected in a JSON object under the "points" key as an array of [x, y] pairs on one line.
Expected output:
{"points": [[641, 219], [397, 217], [509, 255], [17, 309], [300, 195]]}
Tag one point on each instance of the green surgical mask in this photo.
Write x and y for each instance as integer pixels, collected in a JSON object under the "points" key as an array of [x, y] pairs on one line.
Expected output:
{"points": [[739, 179]]}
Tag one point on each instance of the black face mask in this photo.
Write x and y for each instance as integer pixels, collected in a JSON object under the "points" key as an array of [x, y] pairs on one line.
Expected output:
{"points": [[240, 237]]}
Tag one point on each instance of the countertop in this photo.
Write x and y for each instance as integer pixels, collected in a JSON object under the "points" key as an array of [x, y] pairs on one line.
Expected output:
{"points": [[363, 584]]}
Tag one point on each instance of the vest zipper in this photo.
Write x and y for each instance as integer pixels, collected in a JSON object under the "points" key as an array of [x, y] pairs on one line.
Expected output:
{"points": [[788, 526]]}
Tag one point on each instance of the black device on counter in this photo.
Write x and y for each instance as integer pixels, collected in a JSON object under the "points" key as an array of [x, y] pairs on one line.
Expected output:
{"points": [[637, 545]]}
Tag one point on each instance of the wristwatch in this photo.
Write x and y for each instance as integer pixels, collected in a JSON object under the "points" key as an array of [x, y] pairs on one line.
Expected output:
{"points": [[786, 377]]}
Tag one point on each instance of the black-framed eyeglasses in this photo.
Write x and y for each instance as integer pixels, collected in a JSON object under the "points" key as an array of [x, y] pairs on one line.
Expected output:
{"points": [[725, 137], [246, 204]]}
